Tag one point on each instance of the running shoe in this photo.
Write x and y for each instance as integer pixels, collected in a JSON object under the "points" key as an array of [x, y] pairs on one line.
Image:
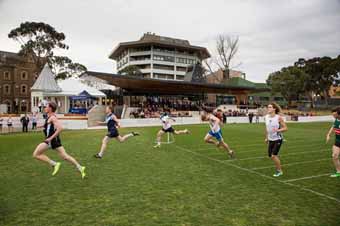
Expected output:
{"points": [[56, 168], [278, 173], [97, 156], [335, 174], [82, 172]]}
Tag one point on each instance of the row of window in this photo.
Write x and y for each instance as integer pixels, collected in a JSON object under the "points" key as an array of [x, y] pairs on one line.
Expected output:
{"points": [[122, 62], [7, 89], [185, 60], [168, 77], [7, 75], [160, 58]]}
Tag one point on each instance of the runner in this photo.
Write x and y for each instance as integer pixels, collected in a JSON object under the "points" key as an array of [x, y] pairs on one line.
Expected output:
{"points": [[52, 130]]}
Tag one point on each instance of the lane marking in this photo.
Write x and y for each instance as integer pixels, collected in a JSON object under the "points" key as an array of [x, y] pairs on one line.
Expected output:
{"points": [[262, 157], [305, 178], [291, 164], [260, 174]]}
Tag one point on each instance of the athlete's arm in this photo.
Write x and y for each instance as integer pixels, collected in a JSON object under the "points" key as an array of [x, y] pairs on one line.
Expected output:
{"points": [[116, 120], [101, 123], [58, 128], [266, 135], [283, 126], [328, 137]]}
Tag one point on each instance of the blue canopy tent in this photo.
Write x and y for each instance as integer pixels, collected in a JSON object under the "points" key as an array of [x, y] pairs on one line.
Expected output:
{"points": [[85, 98]]}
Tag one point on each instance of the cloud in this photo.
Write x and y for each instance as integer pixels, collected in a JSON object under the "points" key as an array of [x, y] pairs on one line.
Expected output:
{"points": [[273, 34]]}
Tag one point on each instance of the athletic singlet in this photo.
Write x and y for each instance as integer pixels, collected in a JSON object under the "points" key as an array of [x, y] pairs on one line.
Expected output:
{"points": [[111, 124], [212, 123], [166, 122], [49, 128], [271, 124], [336, 128]]}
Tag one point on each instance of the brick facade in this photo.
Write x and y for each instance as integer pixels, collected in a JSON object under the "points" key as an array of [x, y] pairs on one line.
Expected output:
{"points": [[17, 75]]}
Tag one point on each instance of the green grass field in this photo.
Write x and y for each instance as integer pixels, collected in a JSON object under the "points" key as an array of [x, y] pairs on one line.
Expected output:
{"points": [[184, 183]]}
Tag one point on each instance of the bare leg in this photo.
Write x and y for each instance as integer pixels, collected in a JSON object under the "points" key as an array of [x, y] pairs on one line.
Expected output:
{"points": [[63, 154], [185, 131], [277, 162], [159, 136], [224, 146], [39, 154], [104, 145], [335, 157], [208, 139], [125, 137]]}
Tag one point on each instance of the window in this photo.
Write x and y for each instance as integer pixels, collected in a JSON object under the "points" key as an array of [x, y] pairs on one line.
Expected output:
{"points": [[23, 89], [7, 89], [7, 75], [164, 58], [180, 77], [24, 75]]}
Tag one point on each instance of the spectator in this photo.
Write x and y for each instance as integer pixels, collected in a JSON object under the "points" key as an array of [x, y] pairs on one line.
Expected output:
{"points": [[257, 118], [251, 116], [224, 117], [34, 121], [24, 121], [10, 124], [1, 121], [40, 106]]}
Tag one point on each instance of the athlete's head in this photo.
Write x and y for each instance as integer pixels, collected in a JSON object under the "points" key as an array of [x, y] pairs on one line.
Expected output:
{"points": [[336, 112], [109, 109], [204, 116], [51, 107], [273, 108]]}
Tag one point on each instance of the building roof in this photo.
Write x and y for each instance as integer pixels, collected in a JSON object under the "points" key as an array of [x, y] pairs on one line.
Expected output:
{"points": [[240, 82], [149, 39], [46, 81], [75, 86], [141, 85]]}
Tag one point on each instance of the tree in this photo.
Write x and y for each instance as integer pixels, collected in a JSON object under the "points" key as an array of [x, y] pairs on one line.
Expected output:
{"points": [[131, 70], [38, 41], [323, 73], [289, 82], [226, 48], [63, 67]]}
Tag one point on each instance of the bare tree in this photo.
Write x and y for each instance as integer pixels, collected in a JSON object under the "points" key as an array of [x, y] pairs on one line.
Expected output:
{"points": [[226, 48]]}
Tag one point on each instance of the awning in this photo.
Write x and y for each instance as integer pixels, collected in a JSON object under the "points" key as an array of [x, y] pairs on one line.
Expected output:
{"points": [[149, 86]]}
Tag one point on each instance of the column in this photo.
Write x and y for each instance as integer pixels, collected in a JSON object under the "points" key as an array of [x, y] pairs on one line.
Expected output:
{"points": [[65, 103]]}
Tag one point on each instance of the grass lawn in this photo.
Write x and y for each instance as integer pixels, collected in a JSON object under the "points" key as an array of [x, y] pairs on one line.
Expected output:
{"points": [[184, 183]]}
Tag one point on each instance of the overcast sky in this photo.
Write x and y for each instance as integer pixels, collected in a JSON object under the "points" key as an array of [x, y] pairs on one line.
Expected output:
{"points": [[272, 33]]}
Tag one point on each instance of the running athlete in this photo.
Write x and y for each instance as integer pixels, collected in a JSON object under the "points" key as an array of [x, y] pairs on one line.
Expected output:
{"points": [[52, 130], [112, 127], [167, 128], [275, 126], [336, 147], [215, 132]]}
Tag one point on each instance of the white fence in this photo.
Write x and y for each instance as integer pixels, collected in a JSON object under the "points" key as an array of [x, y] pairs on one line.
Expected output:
{"points": [[82, 124], [327, 118]]}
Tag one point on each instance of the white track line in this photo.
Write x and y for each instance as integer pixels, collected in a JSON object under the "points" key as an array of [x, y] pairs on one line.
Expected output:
{"points": [[291, 164], [260, 174], [262, 157], [264, 146], [305, 178]]}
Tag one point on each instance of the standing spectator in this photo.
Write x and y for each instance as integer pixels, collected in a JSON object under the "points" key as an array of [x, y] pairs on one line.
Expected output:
{"points": [[224, 117], [1, 121], [34, 121], [40, 106], [10, 124], [257, 118], [251, 116], [24, 121]]}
